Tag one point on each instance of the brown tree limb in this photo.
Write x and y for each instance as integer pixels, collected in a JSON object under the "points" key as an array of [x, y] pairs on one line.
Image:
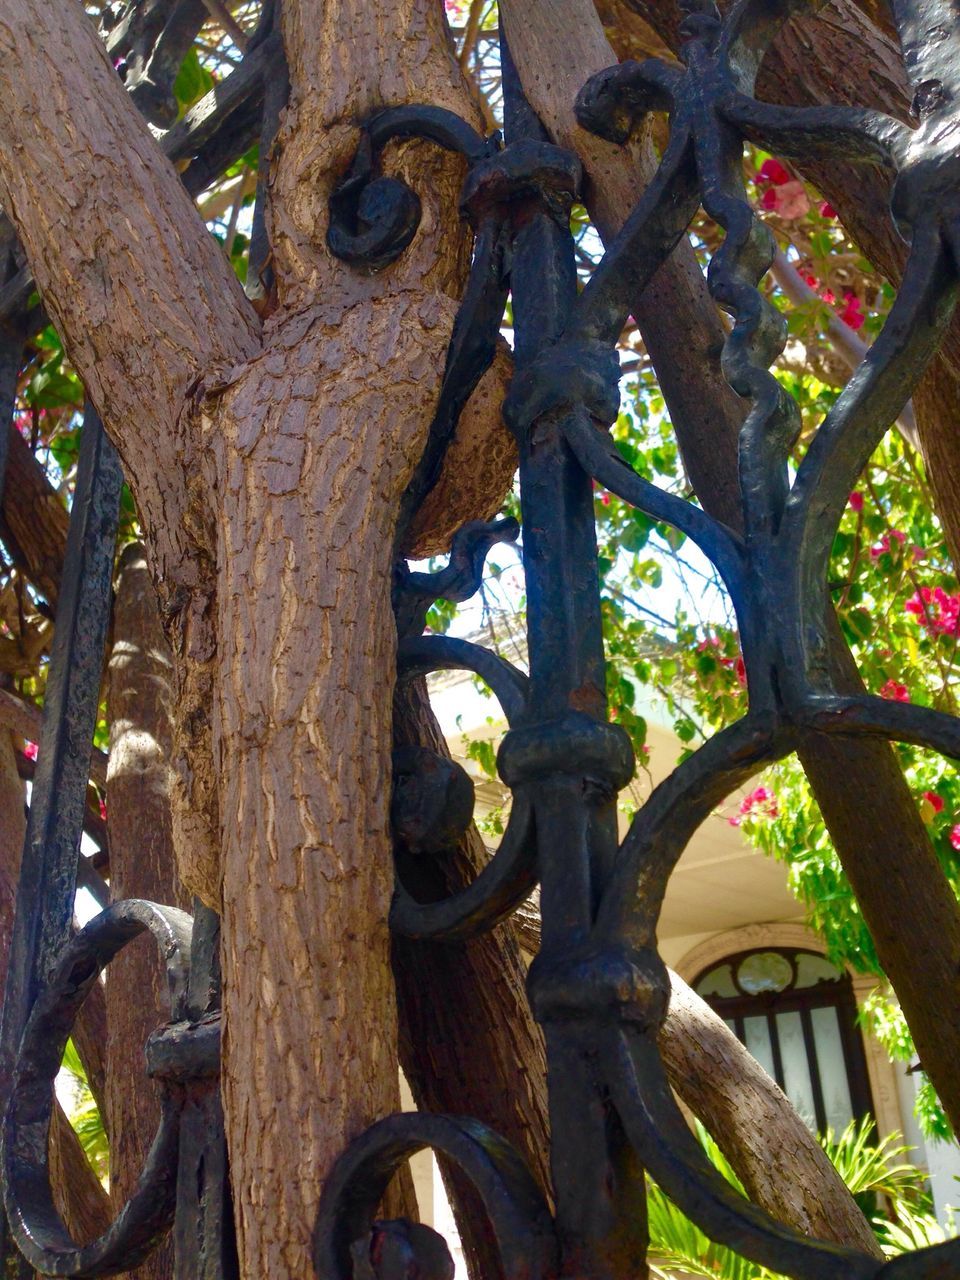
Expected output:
{"points": [[26, 721], [778, 1160], [866, 803], [81, 1201], [33, 520], [140, 693], [142, 295]]}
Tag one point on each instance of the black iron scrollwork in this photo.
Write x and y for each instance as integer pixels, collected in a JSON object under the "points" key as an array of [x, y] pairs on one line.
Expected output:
{"points": [[28, 1199], [598, 987], [346, 1242]]}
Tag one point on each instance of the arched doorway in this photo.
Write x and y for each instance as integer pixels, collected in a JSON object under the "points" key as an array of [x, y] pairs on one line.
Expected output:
{"points": [[796, 1014]]}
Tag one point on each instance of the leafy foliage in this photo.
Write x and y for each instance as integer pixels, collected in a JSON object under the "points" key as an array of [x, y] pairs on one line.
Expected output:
{"points": [[84, 1115], [892, 1192]]}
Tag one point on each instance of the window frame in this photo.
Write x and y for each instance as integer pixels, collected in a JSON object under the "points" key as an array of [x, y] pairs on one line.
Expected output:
{"points": [[827, 993]]}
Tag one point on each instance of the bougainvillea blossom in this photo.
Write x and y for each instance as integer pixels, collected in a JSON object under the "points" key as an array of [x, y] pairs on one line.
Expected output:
{"points": [[782, 194], [885, 545], [852, 311], [936, 611], [760, 803], [894, 691], [774, 172]]}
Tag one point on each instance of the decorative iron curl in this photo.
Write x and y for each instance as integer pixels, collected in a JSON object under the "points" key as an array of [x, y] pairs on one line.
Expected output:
{"points": [[516, 1210], [460, 579], [511, 874], [34, 1222], [373, 218]]}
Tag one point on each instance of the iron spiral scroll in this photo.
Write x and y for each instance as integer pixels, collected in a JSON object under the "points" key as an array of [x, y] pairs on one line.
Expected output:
{"points": [[598, 987]]}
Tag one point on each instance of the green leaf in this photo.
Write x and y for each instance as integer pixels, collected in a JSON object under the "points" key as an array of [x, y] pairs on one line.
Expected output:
{"points": [[192, 82]]}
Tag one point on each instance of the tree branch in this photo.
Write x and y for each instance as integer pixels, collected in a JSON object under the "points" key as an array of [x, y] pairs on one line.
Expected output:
{"points": [[141, 293]]}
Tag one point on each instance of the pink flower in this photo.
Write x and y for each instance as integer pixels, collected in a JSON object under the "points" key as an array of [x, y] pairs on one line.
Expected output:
{"points": [[827, 210], [605, 499], [790, 200], [740, 670], [955, 836], [852, 313], [885, 545], [934, 801], [856, 501], [30, 751], [772, 171], [937, 612], [760, 803], [103, 809], [894, 691]]}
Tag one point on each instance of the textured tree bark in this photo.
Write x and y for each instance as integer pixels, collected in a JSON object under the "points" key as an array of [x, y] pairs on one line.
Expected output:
{"points": [[148, 306], [313, 446], [140, 692], [277, 601], [870, 813], [33, 520]]}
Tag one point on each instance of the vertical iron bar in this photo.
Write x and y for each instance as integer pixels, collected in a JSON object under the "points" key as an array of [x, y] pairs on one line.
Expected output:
{"points": [[48, 870], [203, 1231], [598, 1188]]}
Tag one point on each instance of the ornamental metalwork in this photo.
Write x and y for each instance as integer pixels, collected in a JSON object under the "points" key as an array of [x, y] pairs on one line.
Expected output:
{"points": [[598, 987]]}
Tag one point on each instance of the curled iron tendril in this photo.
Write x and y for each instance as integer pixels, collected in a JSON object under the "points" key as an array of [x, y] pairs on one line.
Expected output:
{"points": [[373, 217]]}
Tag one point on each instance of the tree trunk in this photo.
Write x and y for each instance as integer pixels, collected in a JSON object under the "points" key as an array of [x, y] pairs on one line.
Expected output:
{"points": [[139, 704], [871, 815], [313, 446]]}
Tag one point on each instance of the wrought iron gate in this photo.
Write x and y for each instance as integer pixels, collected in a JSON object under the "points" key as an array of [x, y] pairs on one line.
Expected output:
{"points": [[598, 986]]}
